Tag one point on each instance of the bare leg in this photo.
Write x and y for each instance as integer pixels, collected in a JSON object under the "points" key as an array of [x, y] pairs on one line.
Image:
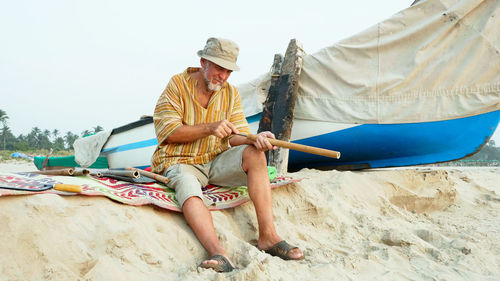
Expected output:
{"points": [[199, 218], [255, 165]]}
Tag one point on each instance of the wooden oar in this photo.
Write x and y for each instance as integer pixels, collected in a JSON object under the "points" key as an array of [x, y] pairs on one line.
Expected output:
{"points": [[298, 147]]}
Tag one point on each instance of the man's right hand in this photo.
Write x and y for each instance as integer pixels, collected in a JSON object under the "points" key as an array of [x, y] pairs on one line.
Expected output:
{"points": [[222, 129]]}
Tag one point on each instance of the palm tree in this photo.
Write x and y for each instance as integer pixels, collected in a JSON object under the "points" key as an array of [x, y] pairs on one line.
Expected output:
{"points": [[55, 133], [3, 116], [5, 133], [9, 139], [45, 139], [70, 138], [34, 137], [58, 144], [3, 120]]}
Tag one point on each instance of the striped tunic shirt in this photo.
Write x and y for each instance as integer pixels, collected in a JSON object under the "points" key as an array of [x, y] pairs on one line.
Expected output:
{"points": [[177, 106]]}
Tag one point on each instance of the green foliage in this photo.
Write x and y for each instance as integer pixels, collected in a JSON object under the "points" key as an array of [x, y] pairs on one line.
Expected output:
{"points": [[5, 127], [5, 154], [3, 117], [38, 139], [21, 146], [489, 152]]}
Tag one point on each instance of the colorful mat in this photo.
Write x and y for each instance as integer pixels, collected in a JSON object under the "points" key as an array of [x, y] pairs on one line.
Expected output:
{"points": [[128, 193]]}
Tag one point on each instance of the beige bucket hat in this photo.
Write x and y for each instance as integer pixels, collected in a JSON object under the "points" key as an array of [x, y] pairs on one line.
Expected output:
{"points": [[222, 52]]}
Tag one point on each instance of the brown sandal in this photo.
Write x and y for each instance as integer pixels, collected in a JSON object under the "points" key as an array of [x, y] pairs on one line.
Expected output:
{"points": [[222, 265], [282, 250]]}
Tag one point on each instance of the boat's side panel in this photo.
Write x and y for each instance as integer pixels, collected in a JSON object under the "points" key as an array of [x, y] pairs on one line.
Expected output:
{"points": [[139, 157], [304, 129], [134, 148], [142, 133], [362, 146], [401, 144]]}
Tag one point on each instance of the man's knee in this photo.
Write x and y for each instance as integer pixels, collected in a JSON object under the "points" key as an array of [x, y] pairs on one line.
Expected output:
{"points": [[187, 186], [252, 157]]}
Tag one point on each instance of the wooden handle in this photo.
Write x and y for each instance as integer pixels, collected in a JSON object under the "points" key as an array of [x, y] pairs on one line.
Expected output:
{"points": [[68, 187], [299, 147], [154, 176], [59, 172]]}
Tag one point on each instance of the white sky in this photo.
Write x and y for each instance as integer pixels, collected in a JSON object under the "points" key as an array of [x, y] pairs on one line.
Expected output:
{"points": [[72, 65]]}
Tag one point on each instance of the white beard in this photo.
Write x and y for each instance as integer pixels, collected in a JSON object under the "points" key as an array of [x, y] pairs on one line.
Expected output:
{"points": [[213, 87]]}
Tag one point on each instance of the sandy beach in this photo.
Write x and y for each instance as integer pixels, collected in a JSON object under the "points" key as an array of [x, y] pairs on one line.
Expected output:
{"points": [[414, 223]]}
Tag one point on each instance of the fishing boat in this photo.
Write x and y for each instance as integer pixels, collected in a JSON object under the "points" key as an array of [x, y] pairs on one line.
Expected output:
{"points": [[362, 146], [420, 87]]}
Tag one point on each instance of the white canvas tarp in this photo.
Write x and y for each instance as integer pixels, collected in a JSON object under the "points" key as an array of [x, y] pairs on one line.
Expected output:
{"points": [[436, 60]]}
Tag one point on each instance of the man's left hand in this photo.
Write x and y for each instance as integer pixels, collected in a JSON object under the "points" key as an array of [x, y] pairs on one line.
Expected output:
{"points": [[262, 143]]}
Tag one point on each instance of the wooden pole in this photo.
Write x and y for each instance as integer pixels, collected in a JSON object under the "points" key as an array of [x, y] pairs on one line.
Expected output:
{"points": [[81, 172], [60, 172], [131, 173], [154, 176], [107, 172], [298, 147]]}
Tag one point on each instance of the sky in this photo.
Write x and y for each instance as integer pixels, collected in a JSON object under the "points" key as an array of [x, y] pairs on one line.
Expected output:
{"points": [[73, 65]]}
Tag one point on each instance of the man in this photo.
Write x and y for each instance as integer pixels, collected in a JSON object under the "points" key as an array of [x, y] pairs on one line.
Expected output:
{"points": [[196, 120]]}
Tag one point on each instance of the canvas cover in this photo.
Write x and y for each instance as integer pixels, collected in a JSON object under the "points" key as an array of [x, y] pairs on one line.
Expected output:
{"points": [[436, 60]]}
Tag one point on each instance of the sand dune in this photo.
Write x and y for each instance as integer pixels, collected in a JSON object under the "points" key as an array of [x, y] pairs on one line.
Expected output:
{"points": [[387, 224]]}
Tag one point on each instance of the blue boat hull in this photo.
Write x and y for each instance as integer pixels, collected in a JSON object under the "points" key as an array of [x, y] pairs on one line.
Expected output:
{"points": [[391, 145], [361, 146]]}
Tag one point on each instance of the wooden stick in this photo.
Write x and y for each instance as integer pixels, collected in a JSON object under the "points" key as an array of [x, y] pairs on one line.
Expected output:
{"points": [[96, 172], [81, 172], [298, 147], [131, 174], [107, 172], [60, 172], [154, 176], [46, 160]]}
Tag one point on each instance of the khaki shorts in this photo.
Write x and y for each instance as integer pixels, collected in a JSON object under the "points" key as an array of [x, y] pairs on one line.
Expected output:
{"points": [[224, 170]]}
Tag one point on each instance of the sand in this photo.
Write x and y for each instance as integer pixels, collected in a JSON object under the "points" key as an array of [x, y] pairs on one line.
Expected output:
{"points": [[387, 224]]}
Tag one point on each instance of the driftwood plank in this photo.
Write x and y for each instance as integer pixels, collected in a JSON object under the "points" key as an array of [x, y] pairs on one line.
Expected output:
{"points": [[280, 103], [267, 108]]}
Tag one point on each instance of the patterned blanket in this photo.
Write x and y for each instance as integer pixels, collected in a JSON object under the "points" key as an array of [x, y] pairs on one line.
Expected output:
{"points": [[128, 193]]}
